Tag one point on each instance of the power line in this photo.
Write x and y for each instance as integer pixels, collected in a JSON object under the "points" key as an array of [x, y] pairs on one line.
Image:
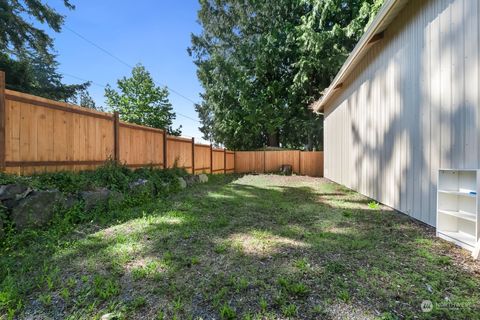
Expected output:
{"points": [[124, 62], [99, 47], [127, 65], [104, 86]]}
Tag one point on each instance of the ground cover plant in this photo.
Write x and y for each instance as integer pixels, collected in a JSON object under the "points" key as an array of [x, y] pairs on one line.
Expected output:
{"points": [[251, 247]]}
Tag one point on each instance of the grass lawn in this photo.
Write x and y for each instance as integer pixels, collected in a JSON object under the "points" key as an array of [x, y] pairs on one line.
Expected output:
{"points": [[252, 247]]}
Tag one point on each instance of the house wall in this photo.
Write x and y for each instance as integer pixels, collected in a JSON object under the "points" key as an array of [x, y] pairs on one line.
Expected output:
{"points": [[410, 107]]}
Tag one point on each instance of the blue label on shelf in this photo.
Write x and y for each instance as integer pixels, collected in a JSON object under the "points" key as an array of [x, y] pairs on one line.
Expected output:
{"points": [[473, 192]]}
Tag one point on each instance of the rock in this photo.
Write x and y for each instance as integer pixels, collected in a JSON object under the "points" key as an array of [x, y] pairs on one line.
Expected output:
{"points": [[70, 201], [142, 186], [37, 209], [286, 169], [191, 179], [99, 197], [13, 192], [203, 178], [138, 183], [182, 183]]}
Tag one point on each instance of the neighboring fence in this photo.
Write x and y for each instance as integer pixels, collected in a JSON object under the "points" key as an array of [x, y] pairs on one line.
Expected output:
{"points": [[41, 135], [308, 163]]}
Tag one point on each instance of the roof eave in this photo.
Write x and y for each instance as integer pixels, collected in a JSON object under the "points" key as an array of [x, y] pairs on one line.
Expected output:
{"points": [[372, 35]]}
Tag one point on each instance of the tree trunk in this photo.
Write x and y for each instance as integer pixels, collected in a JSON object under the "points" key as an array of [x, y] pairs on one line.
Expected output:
{"points": [[309, 141], [273, 140]]}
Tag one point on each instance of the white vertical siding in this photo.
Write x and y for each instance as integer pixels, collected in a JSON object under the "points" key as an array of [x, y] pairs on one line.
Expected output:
{"points": [[410, 107]]}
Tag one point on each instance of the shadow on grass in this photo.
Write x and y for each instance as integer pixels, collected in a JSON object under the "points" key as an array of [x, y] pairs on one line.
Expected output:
{"points": [[259, 247]]}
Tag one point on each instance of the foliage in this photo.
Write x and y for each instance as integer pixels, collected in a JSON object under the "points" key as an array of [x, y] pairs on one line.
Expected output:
{"points": [[139, 100], [85, 100], [26, 50], [19, 32], [111, 175], [38, 75], [288, 252], [262, 63]]}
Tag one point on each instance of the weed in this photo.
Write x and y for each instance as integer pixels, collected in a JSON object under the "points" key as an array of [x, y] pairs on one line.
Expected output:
{"points": [[194, 261], [302, 265], [263, 303], [295, 288], [105, 287], [45, 299], [65, 294], [374, 205], [343, 295], [219, 296], [289, 310], [227, 313], [145, 271], [178, 304], [138, 302], [220, 248], [347, 213], [160, 315], [241, 284]]}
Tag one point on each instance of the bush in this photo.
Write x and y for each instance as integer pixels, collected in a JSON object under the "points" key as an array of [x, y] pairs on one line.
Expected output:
{"points": [[111, 175]]}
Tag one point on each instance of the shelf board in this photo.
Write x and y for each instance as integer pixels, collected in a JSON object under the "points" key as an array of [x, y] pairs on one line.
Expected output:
{"points": [[460, 214], [458, 193], [463, 239]]}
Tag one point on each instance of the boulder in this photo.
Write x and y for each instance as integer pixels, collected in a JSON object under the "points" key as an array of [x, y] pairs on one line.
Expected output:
{"points": [[70, 201], [13, 191], [138, 183], [36, 209], [141, 186], [99, 197], [286, 169], [182, 183], [191, 179], [202, 178]]}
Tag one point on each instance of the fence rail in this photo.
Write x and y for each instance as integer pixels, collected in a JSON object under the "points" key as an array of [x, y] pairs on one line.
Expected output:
{"points": [[42, 135], [308, 163]]}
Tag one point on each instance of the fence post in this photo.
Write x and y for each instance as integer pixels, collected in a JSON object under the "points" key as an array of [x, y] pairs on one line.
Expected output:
{"points": [[2, 120], [165, 164], [193, 155], [116, 134], [224, 161], [211, 159], [299, 162], [264, 159]]}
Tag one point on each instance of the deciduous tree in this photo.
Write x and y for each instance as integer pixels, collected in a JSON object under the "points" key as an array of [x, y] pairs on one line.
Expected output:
{"points": [[139, 100]]}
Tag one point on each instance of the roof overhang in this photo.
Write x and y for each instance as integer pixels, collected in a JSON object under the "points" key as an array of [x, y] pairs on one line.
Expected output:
{"points": [[374, 34]]}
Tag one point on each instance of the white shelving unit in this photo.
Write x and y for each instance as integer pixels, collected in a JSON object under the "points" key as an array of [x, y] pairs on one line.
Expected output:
{"points": [[458, 207]]}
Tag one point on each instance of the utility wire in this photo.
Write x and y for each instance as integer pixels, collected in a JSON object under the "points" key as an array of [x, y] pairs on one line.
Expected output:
{"points": [[124, 62], [104, 86], [127, 65], [99, 48]]}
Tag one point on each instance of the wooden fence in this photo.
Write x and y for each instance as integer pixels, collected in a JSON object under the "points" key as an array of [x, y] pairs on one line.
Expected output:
{"points": [[309, 163], [41, 135]]}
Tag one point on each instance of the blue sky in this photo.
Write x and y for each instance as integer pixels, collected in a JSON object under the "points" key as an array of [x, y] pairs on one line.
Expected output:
{"points": [[152, 32]]}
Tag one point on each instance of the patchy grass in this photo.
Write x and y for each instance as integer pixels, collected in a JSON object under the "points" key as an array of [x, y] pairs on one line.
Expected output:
{"points": [[256, 247]]}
